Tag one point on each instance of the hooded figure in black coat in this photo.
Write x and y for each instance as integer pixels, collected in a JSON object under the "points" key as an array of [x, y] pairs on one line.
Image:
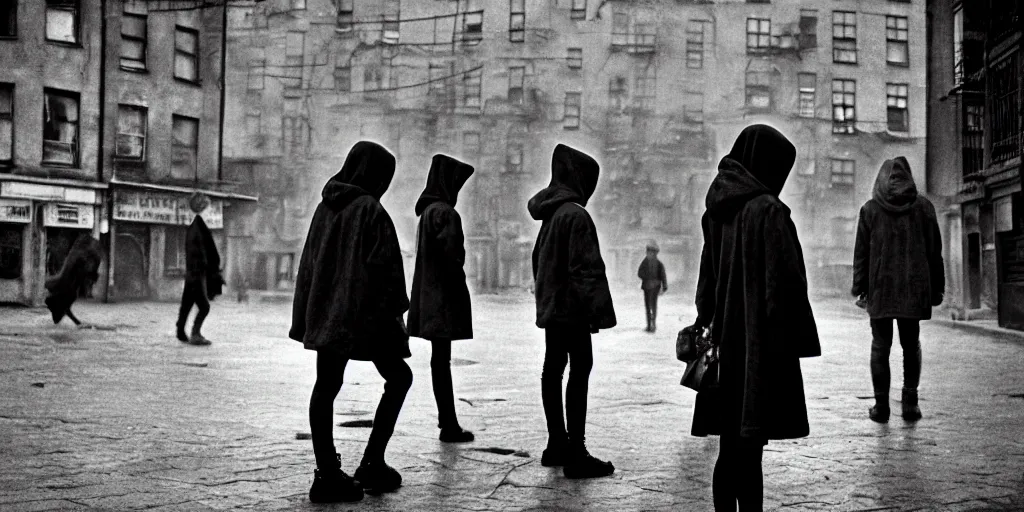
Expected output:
{"points": [[752, 291], [76, 277], [349, 302], [203, 281], [573, 301], [898, 272], [439, 309]]}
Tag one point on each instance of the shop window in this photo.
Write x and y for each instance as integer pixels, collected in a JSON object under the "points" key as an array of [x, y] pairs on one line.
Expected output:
{"points": [[345, 18], [759, 35], [516, 78], [844, 37], [9, 20], [62, 20], [10, 251], [134, 35], [695, 44], [807, 84], [184, 147], [174, 250], [6, 123], [517, 21], [131, 132], [844, 106], [186, 54], [897, 51], [60, 127], [843, 172], [571, 119], [896, 107], [575, 58]]}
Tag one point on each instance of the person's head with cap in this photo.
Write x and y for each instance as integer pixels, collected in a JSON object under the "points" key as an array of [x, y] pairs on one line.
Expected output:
{"points": [[652, 248], [198, 202]]}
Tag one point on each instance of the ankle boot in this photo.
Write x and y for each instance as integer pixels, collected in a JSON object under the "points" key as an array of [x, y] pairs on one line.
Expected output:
{"points": [[332, 485], [581, 464], [880, 411], [911, 412], [555, 453]]}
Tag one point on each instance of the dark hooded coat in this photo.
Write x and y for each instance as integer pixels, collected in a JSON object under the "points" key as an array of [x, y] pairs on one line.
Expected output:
{"points": [[79, 272], [439, 303], [897, 258], [752, 290], [350, 289], [571, 287], [202, 261]]}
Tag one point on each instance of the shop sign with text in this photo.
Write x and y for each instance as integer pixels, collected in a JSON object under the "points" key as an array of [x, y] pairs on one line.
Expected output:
{"points": [[14, 210], [155, 208], [64, 215]]}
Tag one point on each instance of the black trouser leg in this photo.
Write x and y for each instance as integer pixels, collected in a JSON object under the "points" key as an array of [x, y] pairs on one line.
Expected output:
{"points": [[187, 301], [647, 308], [203, 305], [72, 316], [581, 361], [441, 378], [910, 341], [397, 381], [738, 478], [555, 360], [881, 345], [330, 373]]}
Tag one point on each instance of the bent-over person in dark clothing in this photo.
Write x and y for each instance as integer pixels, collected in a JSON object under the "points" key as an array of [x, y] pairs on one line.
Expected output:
{"points": [[440, 309], [79, 272], [653, 282], [573, 302], [898, 273], [349, 302], [203, 279]]}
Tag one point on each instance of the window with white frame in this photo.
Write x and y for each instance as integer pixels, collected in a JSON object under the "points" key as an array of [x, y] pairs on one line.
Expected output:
{"points": [[134, 35], [807, 84], [695, 44], [844, 106], [759, 35], [579, 10], [345, 17], [62, 21], [575, 58], [898, 117], [186, 54], [758, 90], [844, 37], [184, 147], [573, 103], [843, 172], [897, 50], [131, 132], [60, 127], [471, 83], [517, 21]]}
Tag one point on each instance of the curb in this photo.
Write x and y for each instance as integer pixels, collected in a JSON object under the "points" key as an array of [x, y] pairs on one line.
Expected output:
{"points": [[968, 325]]}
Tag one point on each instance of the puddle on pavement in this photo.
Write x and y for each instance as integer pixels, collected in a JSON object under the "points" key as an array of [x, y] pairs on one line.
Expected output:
{"points": [[357, 424]]}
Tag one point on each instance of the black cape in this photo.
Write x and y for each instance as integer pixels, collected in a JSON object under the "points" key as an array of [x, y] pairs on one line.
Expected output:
{"points": [[752, 289], [79, 272], [439, 303], [571, 287], [350, 290], [202, 261]]}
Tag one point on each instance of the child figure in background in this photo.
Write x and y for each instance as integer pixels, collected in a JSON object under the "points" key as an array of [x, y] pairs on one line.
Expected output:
{"points": [[653, 282]]}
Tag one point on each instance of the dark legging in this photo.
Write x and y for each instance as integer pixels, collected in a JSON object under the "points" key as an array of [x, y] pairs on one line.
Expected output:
{"points": [[194, 294], [651, 304], [738, 478], [330, 371], [441, 377], [881, 344], [563, 346]]}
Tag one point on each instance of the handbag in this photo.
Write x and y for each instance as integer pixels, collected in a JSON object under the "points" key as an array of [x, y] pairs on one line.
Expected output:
{"points": [[686, 343], [701, 373]]}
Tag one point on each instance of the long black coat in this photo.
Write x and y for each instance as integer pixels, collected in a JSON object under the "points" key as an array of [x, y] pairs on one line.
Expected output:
{"points": [[202, 261], [571, 287], [79, 272], [897, 258], [350, 289], [752, 289], [439, 303]]}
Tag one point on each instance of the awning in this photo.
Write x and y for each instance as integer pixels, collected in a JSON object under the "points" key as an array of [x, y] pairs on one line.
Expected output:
{"points": [[182, 190]]}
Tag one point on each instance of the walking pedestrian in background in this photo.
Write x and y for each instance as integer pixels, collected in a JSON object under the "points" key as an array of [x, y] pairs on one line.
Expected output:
{"points": [[203, 279], [573, 302], [349, 301], [440, 309], [898, 272], [752, 292], [653, 282], [76, 278]]}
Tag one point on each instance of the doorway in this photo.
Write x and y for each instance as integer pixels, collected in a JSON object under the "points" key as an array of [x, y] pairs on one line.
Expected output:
{"points": [[131, 262], [974, 270]]}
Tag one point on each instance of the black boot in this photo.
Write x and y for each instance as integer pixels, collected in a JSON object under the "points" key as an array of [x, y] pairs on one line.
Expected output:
{"points": [[378, 477], [581, 464], [182, 335], [555, 454], [332, 485], [456, 434], [911, 412], [880, 411]]}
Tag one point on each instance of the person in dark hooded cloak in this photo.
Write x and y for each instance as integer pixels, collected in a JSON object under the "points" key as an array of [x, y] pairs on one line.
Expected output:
{"points": [[349, 302], [752, 292], [573, 302], [79, 272], [898, 273], [203, 279], [440, 309]]}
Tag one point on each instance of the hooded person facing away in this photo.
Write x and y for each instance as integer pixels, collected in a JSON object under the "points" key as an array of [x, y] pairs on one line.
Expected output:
{"points": [[898, 271], [440, 309], [203, 279], [573, 301], [752, 292], [349, 301], [79, 272]]}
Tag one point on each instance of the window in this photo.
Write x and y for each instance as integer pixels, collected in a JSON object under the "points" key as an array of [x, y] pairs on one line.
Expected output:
{"points": [[620, 29], [10, 251], [134, 36], [808, 28], [517, 21], [896, 107], [373, 78], [617, 93], [471, 144], [646, 82], [514, 158], [973, 135], [6, 123], [392, 13], [60, 127], [516, 77], [693, 110], [257, 72], [345, 18], [571, 119], [579, 10], [1005, 114], [298, 5], [473, 27], [294, 134], [9, 24], [844, 37], [643, 38], [435, 75], [131, 132], [575, 58], [759, 35], [843, 172], [807, 84], [62, 21], [844, 105], [294, 59], [758, 91], [186, 54], [184, 147], [342, 74], [471, 83], [695, 44], [174, 250], [896, 46]]}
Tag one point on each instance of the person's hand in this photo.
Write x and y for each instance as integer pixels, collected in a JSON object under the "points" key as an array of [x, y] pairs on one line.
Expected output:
{"points": [[663, 290]]}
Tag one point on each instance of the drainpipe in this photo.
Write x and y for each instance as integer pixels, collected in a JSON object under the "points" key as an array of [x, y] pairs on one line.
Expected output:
{"points": [[223, 87], [100, 153]]}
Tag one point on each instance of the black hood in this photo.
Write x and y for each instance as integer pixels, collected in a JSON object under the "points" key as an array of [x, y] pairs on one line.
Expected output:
{"points": [[732, 188], [573, 179], [368, 170], [894, 187], [446, 177], [766, 154]]}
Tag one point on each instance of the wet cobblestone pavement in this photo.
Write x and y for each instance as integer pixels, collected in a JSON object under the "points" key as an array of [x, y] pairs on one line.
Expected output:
{"points": [[128, 418]]}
